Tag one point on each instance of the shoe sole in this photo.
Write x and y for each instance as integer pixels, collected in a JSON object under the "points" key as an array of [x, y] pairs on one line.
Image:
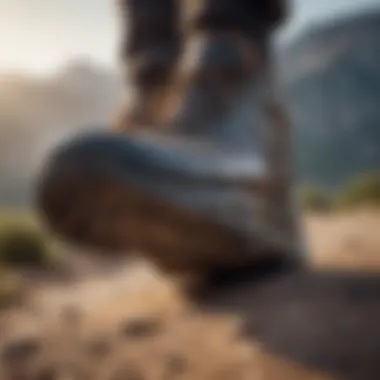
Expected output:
{"points": [[87, 199]]}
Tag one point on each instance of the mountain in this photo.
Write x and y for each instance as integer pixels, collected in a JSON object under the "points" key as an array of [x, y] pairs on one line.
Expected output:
{"points": [[331, 78], [37, 112]]}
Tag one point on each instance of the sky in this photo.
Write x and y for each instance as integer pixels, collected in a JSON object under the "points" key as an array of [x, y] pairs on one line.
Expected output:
{"points": [[42, 35]]}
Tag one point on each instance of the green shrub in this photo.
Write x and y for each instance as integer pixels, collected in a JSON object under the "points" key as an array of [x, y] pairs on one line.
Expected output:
{"points": [[315, 199], [362, 191], [23, 245]]}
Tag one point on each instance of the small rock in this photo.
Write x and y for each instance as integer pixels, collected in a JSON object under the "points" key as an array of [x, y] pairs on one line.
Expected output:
{"points": [[177, 364], [46, 373], [21, 350], [98, 348], [141, 328]]}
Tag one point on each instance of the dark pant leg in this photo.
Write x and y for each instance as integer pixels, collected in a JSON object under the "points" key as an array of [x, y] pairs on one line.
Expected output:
{"points": [[149, 51], [252, 17]]}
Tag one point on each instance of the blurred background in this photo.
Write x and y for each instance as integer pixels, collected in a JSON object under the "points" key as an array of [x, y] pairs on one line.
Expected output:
{"points": [[59, 74]]}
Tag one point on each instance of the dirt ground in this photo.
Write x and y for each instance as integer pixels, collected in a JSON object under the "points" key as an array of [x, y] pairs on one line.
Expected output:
{"points": [[131, 324]]}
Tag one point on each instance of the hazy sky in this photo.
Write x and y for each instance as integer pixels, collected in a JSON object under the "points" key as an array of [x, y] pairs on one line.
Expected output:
{"points": [[41, 35]]}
